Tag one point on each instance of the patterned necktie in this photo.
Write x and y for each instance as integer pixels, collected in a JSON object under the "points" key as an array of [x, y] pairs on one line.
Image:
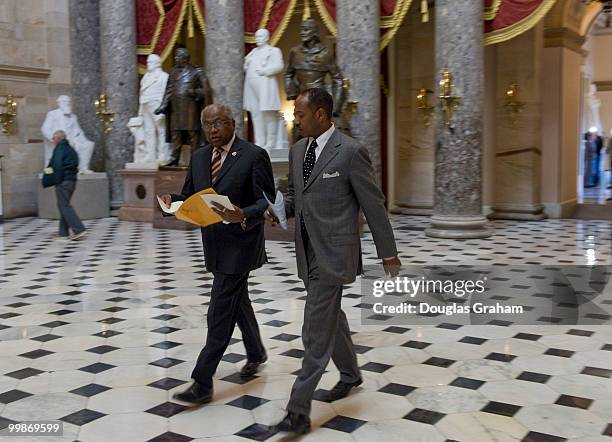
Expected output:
{"points": [[309, 163], [215, 166]]}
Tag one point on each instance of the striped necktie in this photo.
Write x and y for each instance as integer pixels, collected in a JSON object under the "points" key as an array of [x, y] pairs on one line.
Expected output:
{"points": [[215, 166]]}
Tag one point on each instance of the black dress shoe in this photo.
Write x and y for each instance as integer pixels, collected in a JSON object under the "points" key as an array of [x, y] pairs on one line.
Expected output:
{"points": [[196, 394], [341, 390], [294, 423], [250, 368]]}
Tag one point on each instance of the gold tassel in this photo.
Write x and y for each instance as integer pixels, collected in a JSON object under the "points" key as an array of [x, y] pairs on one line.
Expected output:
{"points": [[424, 11], [306, 14], [190, 29]]}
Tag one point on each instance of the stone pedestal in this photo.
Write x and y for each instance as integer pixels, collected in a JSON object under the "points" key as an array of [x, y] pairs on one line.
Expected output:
{"points": [[278, 234], [138, 195], [169, 181], [457, 210], [90, 198]]}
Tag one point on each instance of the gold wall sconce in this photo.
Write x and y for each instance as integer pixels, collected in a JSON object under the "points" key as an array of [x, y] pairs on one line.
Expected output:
{"points": [[512, 105], [350, 105], [423, 106], [448, 101], [104, 114], [8, 112]]}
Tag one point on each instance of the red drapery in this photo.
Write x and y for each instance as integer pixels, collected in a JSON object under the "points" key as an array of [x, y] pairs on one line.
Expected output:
{"points": [[159, 22], [505, 19]]}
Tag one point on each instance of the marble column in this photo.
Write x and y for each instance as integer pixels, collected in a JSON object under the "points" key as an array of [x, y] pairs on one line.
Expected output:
{"points": [[358, 40], [225, 54], [518, 141], [86, 76], [457, 209], [120, 83]]}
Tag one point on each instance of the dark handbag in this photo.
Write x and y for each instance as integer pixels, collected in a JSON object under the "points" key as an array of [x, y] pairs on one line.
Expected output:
{"points": [[50, 178]]}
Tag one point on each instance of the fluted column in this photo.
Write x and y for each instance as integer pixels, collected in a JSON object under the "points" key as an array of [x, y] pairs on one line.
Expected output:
{"points": [[357, 47], [120, 83], [225, 54], [85, 67], [458, 172]]}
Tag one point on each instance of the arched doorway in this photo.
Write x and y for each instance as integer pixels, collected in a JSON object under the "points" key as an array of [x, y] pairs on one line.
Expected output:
{"points": [[594, 174]]}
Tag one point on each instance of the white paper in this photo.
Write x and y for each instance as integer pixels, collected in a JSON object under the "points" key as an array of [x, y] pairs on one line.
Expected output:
{"points": [[278, 207], [173, 207], [219, 199]]}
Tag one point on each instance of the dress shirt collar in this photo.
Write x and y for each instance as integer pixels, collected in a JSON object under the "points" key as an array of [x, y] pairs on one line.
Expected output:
{"points": [[324, 137], [228, 146]]}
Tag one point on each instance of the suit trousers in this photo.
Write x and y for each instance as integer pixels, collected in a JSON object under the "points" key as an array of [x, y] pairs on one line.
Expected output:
{"points": [[68, 217], [325, 335], [229, 305]]}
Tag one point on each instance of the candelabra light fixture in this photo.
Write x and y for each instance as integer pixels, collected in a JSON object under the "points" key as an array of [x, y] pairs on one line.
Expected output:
{"points": [[512, 104], [423, 106], [104, 114], [8, 112], [448, 101], [350, 105]]}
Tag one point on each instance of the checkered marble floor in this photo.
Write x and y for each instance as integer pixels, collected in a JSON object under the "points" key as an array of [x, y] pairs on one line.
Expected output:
{"points": [[101, 332]]}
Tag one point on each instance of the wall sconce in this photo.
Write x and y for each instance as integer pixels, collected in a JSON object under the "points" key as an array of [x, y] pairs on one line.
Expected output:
{"points": [[448, 101], [104, 114], [424, 106], [8, 112], [512, 104], [350, 105]]}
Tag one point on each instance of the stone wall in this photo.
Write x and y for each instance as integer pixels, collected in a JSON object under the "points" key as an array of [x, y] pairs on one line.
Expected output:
{"points": [[35, 68]]}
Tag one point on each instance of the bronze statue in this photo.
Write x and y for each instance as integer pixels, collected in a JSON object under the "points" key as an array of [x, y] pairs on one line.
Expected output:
{"points": [[310, 63], [187, 93]]}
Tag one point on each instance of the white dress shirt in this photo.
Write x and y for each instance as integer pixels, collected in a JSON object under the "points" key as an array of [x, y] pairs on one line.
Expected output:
{"points": [[321, 141], [225, 149]]}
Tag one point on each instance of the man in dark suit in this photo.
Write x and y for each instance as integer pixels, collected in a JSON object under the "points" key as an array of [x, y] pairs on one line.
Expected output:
{"points": [[187, 93], [242, 172], [330, 180]]}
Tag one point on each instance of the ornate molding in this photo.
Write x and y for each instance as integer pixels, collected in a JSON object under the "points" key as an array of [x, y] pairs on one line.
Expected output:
{"points": [[563, 37], [24, 73], [603, 86]]}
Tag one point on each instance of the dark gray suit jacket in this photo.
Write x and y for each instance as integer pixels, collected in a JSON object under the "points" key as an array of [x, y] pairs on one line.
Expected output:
{"points": [[341, 183]]}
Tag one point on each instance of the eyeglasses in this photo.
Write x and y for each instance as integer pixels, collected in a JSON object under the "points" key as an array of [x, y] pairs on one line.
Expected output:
{"points": [[217, 124]]}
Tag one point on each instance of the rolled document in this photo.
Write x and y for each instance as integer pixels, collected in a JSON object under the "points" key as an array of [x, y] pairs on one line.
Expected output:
{"points": [[278, 207]]}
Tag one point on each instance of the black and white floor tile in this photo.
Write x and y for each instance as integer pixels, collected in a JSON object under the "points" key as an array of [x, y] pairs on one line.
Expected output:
{"points": [[100, 333]]}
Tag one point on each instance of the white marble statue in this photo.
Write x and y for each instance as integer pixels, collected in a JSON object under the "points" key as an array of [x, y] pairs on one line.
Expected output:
{"points": [[152, 87], [141, 154], [63, 119], [261, 94]]}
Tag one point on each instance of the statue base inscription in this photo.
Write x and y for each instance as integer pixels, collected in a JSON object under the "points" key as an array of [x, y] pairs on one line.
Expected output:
{"points": [[90, 199], [138, 195]]}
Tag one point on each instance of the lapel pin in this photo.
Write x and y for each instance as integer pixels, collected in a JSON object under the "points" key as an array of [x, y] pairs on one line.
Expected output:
{"points": [[233, 154]]}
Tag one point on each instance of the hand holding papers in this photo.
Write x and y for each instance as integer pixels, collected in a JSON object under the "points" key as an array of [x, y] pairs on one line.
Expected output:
{"points": [[221, 200], [194, 210], [173, 207], [278, 207]]}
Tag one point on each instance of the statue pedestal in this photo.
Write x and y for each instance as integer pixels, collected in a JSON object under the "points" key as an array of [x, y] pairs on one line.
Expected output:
{"points": [[90, 199], [169, 181], [138, 194], [278, 234]]}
